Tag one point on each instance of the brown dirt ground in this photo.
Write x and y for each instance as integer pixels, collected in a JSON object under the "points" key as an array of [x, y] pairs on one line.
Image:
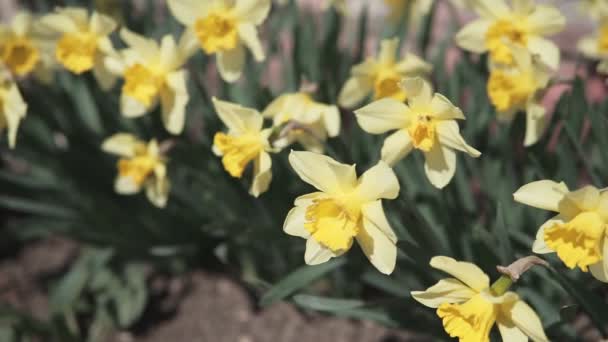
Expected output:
{"points": [[205, 306]]}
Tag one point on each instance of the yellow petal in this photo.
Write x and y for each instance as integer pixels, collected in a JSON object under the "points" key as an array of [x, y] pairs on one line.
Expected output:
{"points": [[536, 123], [104, 77], [323, 173], [382, 115], [377, 239], [132, 108], [14, 110], [543, 194], [230, 63], [546, 50], [472, 37], [294, 222], [143, 46], [546, 20], [378, 182], [254, 11], [468, 273], [355, 90], [316, 254], [396, 147], [101, 24], [440, 165], [188, 45], [121, 144], [539, 246], [187, 11], [600, 269], [237, 118], [413, 65], [157, 189], [126, 185], [59, 23], [21, 23], [262, 174], [174, 99], [249, 35], [589, 47], [418, 90], [524, 317], [332, 121], [388, 50], [510, 332], [586, 198], [447, 290], [490, 9], [442, 108], [449, 135]]}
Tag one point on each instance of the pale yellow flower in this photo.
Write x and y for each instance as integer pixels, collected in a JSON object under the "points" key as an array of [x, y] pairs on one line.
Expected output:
{"points": [[469, 307], [578, 233], [141, 166], [224, 28], [83, 41], [246, 141], [346, 208], [427, 123], [597, 9], [381, 75], [595, 46], [519, 88], [152, 72], [524, 24], [12, 109], [313, 121], [24, 50]]}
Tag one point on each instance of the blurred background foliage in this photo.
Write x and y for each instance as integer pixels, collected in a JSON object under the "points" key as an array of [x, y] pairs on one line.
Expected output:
{"points": [[59, 182]]}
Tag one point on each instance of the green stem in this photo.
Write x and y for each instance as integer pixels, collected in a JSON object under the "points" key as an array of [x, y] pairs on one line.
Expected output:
{"points": [[501, 286]]}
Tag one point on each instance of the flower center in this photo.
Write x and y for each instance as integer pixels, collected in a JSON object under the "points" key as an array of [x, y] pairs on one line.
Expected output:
{"points": [[19, 54], [387, 85], [139, 167], [603, 39], [513, 31], [470, 321], [509, 91], [142, 83], [578, 241], [422, 132], [332, 224], [77, 51], [217, 31], [238, 151]]}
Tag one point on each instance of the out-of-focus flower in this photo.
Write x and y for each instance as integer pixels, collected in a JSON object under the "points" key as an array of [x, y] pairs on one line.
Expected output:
{"points": [[427, 122], [597, 9], [596, 46], [416, 9], [518, 87], [246, 141], [578, 233], [83, 42], [381, 75], [469, 307], [152, 72], [345, 208], [524, 24], [141, 166], [12, 108], [224, 28], [303, 120], [23, 49]]}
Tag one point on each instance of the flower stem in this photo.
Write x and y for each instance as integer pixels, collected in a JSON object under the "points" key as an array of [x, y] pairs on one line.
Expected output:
{"points": [[501, 285]]}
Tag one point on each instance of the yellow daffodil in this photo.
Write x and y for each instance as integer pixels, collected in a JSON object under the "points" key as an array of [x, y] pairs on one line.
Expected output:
{"points": [[381, 75], [312, 121], [153, 73], [224, 28], [578, 233], [141, 166], [596, 46], [518, 87], [469, 307], [345, 208], [12, 109], [24, 50], [426, 122], [524, 24], [246, 141], [83, 41]]}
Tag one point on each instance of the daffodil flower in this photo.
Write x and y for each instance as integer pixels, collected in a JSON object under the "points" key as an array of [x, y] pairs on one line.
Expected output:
{"points": [[313, 121], [518, 87], [83, 41], [346, 208], [426, 123], [224, 28], [141, 166], [578, 233], [524, 24], [23, 49], [246, 141], [597, 9], [469, 307], [12, 109], [381, 75], [153, 73], [596, 46]]}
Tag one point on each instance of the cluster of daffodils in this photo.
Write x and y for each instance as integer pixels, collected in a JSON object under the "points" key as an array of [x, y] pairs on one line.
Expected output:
{"points": [[521, 59]]}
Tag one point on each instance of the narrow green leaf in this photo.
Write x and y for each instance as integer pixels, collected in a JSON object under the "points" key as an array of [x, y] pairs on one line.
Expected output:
{"points": [[326, 304], [34, 207]]}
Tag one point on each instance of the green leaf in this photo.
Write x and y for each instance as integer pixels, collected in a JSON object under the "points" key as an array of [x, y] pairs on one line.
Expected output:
{"points": [[505, 251], [326, 304], [299, 279], [35, 207]]}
